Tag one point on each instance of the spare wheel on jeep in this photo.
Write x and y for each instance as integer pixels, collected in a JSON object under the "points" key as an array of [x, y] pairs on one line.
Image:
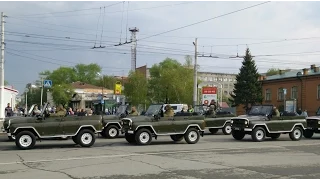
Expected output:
{"points": [[192, 136], [86, 138], [25, 140]]}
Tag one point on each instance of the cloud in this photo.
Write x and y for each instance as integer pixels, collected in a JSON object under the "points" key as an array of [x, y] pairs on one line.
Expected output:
{"points": [[269, 22]]}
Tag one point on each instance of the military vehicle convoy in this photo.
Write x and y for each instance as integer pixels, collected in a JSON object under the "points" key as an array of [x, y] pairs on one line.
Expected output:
{"points": [[27, 130], [141, 129], [260, 124], [313, 126]]}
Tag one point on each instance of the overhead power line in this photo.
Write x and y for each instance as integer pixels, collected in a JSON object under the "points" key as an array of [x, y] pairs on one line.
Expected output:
{"points": [[204, 20], [61, 12], [139, 9]]}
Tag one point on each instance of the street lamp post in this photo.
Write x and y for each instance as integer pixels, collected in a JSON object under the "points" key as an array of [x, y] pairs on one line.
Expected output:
{"points": [[26, 108]]}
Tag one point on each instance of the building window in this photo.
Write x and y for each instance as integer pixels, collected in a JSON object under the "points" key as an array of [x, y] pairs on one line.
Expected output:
{"points": [[280, 94], [225, 92], [294, 92], [225, 79], [205, 78], [319, 91], [268, 95], [220, 79], [210, 79], [215, 79]]}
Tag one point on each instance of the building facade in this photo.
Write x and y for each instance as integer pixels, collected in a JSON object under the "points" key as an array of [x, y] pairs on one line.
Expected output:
{"points": [[86, 95], [221, 80], [144, 70], [303, 86]]}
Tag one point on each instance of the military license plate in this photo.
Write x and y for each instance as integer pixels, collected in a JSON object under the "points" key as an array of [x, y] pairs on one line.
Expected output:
{"points": [[236, 128], [130, 132], [309, 127]]}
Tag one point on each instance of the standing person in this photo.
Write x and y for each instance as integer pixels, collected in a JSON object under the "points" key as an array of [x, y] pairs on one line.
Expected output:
{"points": [[70, 112], [8, 111]]}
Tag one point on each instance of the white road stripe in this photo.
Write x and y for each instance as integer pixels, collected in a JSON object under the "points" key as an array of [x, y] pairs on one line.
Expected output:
{"points": [[143, 154]]}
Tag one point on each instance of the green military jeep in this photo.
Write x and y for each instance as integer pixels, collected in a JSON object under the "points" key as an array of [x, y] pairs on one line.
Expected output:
{"points": [[222, 120], [313, 126], [141, 129], [26, 130], [259, 123]]}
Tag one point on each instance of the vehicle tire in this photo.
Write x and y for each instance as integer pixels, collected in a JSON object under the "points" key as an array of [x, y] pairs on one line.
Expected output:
{"points": [[143, 137], [177, 137], [308, 133], [258, 134], [111, 132], [275, 136], [227, 129], [130, 138], [213, 130], [238, 135], [192, 136], [86, 138], [74, 138], [296, 134], [25, 140]]}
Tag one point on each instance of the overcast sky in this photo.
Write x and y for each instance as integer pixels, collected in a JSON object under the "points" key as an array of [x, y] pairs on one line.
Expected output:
{"points": [[37, 40]]}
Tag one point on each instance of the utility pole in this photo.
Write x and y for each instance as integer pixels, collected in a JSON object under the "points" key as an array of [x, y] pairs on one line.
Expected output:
{"points": [[195, 77], [133, 48], [2, 106], [41, 93]]}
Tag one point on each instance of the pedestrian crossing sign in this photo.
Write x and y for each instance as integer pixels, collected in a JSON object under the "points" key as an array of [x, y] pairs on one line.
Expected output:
{"points": [[47, 83]]}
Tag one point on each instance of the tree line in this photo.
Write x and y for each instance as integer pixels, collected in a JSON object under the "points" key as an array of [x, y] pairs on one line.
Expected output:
{"points": [[170, 82]]}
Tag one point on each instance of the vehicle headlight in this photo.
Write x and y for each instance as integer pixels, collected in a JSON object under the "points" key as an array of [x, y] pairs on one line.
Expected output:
{"points": [[121, 123], [318, 122], [246, 122], [231, 121]]}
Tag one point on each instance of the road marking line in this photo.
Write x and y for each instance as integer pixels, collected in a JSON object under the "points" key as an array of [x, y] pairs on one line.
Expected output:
{"points": [[143, 154]]}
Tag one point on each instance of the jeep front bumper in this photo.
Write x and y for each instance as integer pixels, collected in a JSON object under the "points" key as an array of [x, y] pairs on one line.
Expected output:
{"points": [[241, 129]]}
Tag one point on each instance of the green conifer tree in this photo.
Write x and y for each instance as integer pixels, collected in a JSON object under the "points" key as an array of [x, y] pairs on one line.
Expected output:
{"points": [[247, 89]]}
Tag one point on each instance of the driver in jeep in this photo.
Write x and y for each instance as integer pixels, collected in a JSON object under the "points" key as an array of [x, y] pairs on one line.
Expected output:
{"points": [[169, 111]]}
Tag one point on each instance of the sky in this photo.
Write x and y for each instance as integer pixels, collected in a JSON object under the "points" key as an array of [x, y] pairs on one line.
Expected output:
{"points": [[46, 35]]}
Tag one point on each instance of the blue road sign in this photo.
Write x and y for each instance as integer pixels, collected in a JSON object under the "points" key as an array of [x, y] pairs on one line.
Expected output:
{"points": [[47, 83]]}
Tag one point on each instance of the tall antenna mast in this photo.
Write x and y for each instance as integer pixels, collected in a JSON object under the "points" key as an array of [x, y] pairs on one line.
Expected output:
{"points": [[133, 48]]}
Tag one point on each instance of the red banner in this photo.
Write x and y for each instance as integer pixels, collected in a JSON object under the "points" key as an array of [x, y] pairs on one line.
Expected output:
{"points": [[209, 90]]}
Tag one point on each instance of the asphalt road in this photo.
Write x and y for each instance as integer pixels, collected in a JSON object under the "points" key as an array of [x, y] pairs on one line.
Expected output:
{"points": [[214, 156]]}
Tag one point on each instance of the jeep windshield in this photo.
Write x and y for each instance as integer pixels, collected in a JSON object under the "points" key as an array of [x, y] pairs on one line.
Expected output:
{"points": [[153, 109], [260, 110], [198, 109], [121, 109]]}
